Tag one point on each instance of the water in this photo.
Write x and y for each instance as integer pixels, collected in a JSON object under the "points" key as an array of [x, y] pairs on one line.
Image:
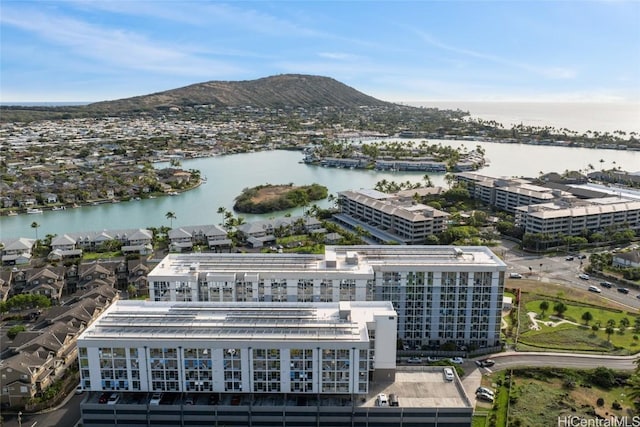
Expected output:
{"points": [[575, 116], [227, 176]]}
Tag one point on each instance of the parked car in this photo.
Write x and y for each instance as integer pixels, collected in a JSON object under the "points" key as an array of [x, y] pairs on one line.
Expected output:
{"points": [[486, 391], [485, 363], [155, 399], [448, 374], [432, 359], [484, 396], [457, 360], [79, 389], [583, 276], [569, 258], [393, 400], [623, 290], [113, 399], [515, 275], [103, 398], [382, 400], [606, 285], [188, 400], [582, 256], [414, 360]]}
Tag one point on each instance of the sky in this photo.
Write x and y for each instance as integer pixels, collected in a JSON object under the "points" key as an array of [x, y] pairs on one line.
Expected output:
{"points": [[530, 51]]}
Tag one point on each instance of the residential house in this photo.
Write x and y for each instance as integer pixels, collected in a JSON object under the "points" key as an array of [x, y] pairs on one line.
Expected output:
{"points": [[627, 259], [35, 359], [17, 251]]}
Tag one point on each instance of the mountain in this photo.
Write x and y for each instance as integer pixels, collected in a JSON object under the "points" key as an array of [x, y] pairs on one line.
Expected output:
{"points": [[292, 90]]}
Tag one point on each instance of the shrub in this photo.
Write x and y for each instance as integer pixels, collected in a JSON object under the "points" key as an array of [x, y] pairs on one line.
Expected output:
{"points": [[14, 330], [600, 402]]}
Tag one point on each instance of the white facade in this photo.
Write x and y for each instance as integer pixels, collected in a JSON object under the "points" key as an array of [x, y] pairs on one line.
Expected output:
{"points": [[323, 348], [573, 217], [400, 217], [442, 294]]}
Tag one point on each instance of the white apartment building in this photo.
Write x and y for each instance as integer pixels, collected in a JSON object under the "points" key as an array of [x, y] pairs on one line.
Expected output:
{"points": [[302, 348], [573, 217], [390, 217], [442, 294], [508, 193]]}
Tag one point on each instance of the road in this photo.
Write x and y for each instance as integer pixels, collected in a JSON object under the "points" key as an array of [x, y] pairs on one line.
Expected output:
{"points": [[68, 415], [556, 269]]}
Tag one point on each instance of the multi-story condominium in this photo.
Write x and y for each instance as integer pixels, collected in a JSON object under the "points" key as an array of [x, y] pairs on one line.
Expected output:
{"points": [[259, 364], [508, 193], [239, 347], [574, 217], [442, 294], [390, 217]]}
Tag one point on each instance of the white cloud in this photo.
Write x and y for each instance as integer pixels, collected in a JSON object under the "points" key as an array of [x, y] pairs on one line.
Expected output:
{"points": [[552, 72], [116, 47]]}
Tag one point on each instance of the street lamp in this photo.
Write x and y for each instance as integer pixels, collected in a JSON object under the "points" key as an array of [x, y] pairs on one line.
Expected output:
{"points": [[19, 418]]}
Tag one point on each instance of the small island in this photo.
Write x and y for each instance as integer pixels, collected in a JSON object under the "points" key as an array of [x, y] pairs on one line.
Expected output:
{"points": [[271, 198]]}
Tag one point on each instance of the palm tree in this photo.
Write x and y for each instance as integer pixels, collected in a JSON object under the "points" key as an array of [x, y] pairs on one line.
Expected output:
{"points": [[587, 317], [35, 226], [170, 216]]}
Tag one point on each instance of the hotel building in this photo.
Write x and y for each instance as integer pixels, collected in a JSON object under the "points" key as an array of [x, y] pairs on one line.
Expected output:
{"points": [[442, 294]]}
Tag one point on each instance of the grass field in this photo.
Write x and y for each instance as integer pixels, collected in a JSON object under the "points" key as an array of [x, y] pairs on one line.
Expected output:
{"points": [[538, 397]]}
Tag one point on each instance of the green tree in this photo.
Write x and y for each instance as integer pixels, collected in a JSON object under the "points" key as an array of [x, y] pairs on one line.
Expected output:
{"points": [[170, 216], [544, 306], [559, 308], [35, 226], [587, 317]]}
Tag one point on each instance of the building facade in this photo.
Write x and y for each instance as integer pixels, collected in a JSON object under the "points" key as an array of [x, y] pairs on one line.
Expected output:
{"points": [[442, 294], [257, 364], [318, 348], [390, 217], [575, 217]]}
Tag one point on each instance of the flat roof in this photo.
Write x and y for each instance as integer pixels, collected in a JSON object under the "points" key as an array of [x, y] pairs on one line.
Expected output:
{"points": [[368, 257], [421, 387], [136, 320]]}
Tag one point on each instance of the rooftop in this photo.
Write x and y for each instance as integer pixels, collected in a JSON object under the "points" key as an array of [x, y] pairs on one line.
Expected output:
{"points": [[237, 321]]}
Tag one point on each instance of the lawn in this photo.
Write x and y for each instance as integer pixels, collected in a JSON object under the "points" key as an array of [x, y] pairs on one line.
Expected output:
{"points": [[555, 333]]}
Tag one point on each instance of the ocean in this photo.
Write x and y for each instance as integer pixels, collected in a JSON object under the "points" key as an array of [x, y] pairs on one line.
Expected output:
{"points": [[579, 117]]}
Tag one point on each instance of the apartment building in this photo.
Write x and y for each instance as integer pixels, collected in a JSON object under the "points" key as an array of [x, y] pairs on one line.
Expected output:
{"points": [[572, 217], [236, 347], [257, 364], [508, 193], [442, 294], [390, 217]]}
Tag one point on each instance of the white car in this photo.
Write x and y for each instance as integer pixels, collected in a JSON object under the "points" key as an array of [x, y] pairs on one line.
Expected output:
{"points": [[583, 276], [515, 275], [79, 389], [414, 360], [448, 374], [457, 360], [382, 400], [155, 399], [485, 396]]}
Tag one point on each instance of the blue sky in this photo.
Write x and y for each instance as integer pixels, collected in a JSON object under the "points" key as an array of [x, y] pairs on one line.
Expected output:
{"points": [[393, 50]]}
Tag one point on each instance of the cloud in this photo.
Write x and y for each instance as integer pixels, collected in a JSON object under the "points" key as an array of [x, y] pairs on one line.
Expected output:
{"points": [[548, 72], [115, 47], [339, 56]]}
